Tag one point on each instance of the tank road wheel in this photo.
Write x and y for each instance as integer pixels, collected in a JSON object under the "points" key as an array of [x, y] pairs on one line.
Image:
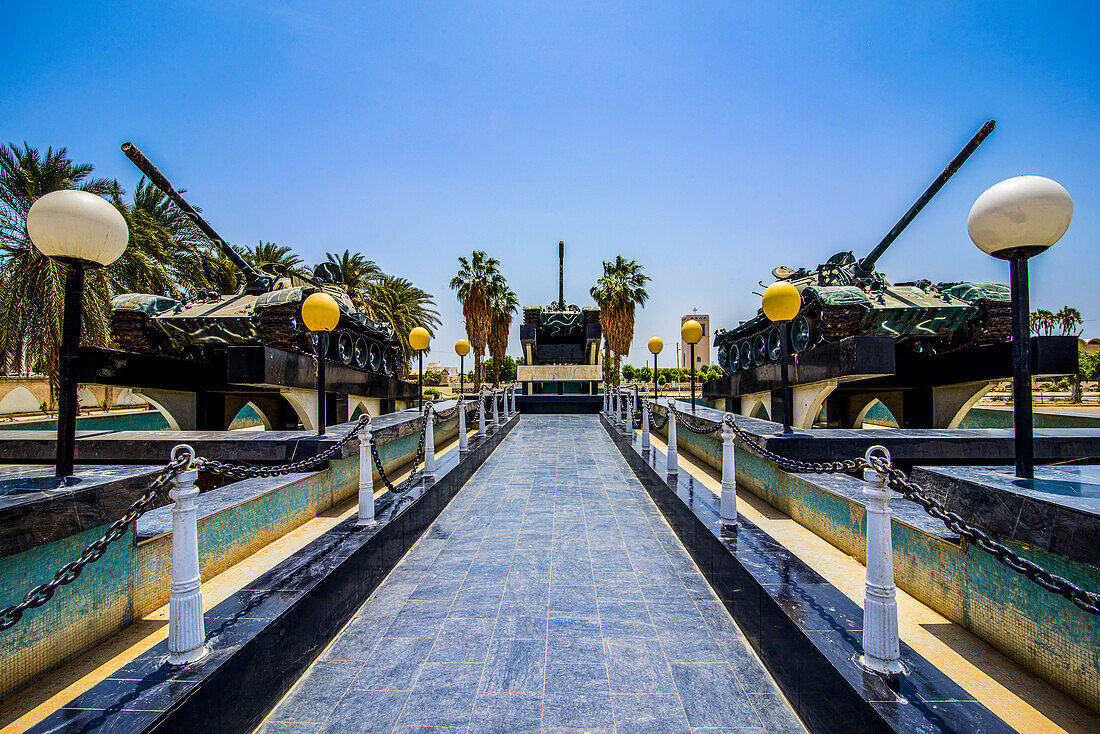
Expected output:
{"points": [[802, 329], [759, 349], [387, 362], [361, 353], [375, 358], [746, 355], [774, 343], [724, 357], [733, 358], [345, 348]]}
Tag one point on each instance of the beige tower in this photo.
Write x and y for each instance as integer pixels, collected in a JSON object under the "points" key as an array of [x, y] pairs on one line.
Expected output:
{"points": [[702, 349]]}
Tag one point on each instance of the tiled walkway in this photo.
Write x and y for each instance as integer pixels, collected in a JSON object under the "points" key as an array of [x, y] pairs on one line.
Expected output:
{"points": [[550, 595]]}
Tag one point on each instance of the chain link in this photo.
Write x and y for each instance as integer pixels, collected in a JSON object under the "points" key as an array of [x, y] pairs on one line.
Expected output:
{"points": [[417, 458], [39, 595]]}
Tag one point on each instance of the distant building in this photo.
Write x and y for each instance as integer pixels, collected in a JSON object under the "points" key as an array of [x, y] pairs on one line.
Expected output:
{"points": [[1089, 346], [702, 349]]}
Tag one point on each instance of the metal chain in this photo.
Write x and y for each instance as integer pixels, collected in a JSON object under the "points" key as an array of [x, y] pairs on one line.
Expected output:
{"points": [[39, 595], [692, 426], [1087, 601], [244, 471], [653, 417], [416, 460]]}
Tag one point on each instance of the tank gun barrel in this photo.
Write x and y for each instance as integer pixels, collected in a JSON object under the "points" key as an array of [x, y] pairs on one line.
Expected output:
{"points": [[158, 179], [867, 264]]}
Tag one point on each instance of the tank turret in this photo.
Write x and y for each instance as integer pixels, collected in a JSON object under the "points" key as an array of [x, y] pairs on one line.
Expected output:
{"points": [[846, 296], [265, 309]]}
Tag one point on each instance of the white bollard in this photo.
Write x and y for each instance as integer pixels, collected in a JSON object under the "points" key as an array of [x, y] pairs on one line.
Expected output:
{"points": [[186, 631], [881, 651], [481, 414], [504, 399], [366, 478], [615, 407], [672, 463], [606, 400], [729, 475], [645, 426], [463, 439], [429, 442], [496, 411], [513, 401], [628, 427]]}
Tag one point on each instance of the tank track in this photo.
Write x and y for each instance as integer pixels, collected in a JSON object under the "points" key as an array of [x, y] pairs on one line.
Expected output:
{"points": [[996, 322], [279, 328]]}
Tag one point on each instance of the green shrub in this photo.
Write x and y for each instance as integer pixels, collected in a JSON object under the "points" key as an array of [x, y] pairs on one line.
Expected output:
{"points": [[431, 394], [433, 377]]}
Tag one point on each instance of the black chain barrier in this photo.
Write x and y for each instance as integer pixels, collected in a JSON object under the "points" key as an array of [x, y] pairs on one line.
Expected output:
{"points": [[70, 572], [896, 479], [39, 595], [413, 476]]}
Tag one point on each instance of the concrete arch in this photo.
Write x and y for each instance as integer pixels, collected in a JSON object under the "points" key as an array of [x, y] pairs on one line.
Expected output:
{"points": [[357, 405], [20, 400], [250, 408], [85, 398]]}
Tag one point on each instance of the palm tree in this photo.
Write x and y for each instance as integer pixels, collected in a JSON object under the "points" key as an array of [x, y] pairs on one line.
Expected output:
{"points": [[166, 253], [618, 292], [397, 301], [504, 304], [32, 298], [475, 283], [268, 253], [359, 273], [1042, 322], [1069, 319]]}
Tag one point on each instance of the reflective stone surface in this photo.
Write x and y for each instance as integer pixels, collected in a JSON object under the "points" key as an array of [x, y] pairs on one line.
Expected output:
{"points": [[550, 595]]}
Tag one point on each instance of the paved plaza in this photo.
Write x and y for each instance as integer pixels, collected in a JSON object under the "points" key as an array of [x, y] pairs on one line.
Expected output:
{"points": [[550, 595]]}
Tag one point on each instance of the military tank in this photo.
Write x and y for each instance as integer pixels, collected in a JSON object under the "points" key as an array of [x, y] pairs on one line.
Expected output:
{"points": [[265, 309], [560, 333], [846, 296]]}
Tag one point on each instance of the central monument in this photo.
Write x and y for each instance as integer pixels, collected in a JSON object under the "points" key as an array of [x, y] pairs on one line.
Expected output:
{"points": [[561, 345]]}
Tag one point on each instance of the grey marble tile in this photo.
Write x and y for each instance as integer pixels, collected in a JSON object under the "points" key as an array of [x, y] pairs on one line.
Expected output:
{"points": [[317, 692], [575, 641], [711, 695], [394, 664], [515, 666], [443, 696], [637, 666], [650, 714], [507, 713], [366, 712]]}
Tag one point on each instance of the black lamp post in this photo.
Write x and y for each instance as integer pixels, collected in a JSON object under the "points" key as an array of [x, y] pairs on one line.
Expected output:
{"points": [[419, 339], [462, 348], [782, 302], [655, 346], [692, 332], [320, 314], [1014, 220], [80, 230]]}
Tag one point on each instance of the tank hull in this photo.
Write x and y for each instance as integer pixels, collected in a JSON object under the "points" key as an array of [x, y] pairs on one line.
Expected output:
{"points": [[151, 324]]}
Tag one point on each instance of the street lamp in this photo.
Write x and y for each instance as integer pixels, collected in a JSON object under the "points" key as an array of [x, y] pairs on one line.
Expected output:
{"points": [[419, 339], [692, 332], [1014, 220], [320, 314], [82, 231], [782, 302], [462, 348], [655, 346]]}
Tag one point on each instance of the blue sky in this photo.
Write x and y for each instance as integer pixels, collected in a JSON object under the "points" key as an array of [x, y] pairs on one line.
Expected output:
{"points": [[709, 141]]}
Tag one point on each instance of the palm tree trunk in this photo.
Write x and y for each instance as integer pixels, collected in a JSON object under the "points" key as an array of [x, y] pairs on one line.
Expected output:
{"points": [[477, 370], [618, 364]]}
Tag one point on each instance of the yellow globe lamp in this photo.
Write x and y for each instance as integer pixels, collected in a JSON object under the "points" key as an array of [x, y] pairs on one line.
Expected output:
{"points": [[462, 348], [782, 301], [655, 347], [692, 331], [419, 339], [320, 312]]}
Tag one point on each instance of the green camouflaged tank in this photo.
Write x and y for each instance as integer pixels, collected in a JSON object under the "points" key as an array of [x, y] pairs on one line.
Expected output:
{"points": [[265, 310], [844, 297]]}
